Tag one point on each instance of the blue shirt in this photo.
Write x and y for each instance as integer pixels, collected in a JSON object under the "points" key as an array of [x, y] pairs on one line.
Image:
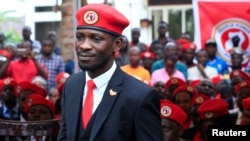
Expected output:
{"points": [[55, 65], [220, 65], [7, 112]]}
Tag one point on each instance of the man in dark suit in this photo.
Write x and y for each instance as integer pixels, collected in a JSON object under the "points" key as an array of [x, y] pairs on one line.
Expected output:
{"points": [[123, 108]]}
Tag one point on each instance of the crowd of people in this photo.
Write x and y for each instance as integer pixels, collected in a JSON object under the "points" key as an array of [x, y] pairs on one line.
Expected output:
{"points": [[196, 87], [32, 75]]}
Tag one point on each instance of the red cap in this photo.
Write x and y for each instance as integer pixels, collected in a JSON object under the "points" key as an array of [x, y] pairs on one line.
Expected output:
{"points": [[173, 112], [213, 108], [26, 85], [194, 83], [241, 85], [61, 75], [147, 54], [216, 79], [185, 88], [101, 17], [199, 99], [240, 73], [5, 53], [246, 103], [181, 41], [37, 99], [9, 81], [188, 45], [174, 81]]}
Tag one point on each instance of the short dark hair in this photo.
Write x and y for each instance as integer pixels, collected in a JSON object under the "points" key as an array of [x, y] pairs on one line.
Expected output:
{"points": [[171, 58]]}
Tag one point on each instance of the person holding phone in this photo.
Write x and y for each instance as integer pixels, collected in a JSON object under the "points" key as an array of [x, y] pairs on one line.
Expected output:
{"points": [[25, 68]]}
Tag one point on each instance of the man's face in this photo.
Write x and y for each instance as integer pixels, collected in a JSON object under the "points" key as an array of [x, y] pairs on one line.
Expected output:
{"points": [[171, 130], [207, 88], [202, 57], [162, 29], [189, 55], [26, 33], [47, 47], [39, 112], [135, 35], [211, 50], [236, 60], [134, 57], [95, 50]]}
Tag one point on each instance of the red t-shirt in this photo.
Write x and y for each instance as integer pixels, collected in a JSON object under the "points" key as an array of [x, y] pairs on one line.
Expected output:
{"points": [[23, 70]]}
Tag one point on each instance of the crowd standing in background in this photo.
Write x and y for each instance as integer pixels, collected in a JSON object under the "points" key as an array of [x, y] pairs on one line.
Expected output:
{"points": [[191, 81]]}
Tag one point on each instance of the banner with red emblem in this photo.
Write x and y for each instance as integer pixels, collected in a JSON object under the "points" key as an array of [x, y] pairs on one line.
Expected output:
{"points": [[225, 21]]}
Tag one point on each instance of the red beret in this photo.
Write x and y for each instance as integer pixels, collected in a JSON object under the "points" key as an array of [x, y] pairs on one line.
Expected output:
{"points": [[246, 103], [188, 45], [37, 99], [26, 85], [240, 73], [216, 79], [61, 75], [213, 108], [5, 53], [181, 41], [199, 99], [194, 83], [241, 85], [147, 54], [185, 88], [9, 81], [173, 112], [174, 81], [101, 17]]}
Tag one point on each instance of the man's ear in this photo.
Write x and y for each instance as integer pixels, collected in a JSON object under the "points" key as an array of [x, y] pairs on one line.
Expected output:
{"points": [[117, 44]]}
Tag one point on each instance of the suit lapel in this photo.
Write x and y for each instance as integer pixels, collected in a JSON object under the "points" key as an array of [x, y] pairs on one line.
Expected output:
{"points": [[110, 95], [77, 89]]}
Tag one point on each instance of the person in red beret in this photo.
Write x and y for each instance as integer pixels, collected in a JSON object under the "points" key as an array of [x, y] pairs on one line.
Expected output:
{"points": [[8, 94], [102, 95], [182, 96], [38, 109], [188, 52], [246, 111], [213, 112], [172, 84], [173, 120], [195, 131], [242, 92], [238, 76], [27, 88], [61, 78], [148, 59], [4, 57]]}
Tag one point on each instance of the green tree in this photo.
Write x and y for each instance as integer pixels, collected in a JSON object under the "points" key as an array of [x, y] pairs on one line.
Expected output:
{"points": [[7, 27]]}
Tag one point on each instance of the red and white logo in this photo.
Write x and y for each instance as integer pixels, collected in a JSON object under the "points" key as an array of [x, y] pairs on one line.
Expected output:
{"points": [[90, 17], [230, 33]]}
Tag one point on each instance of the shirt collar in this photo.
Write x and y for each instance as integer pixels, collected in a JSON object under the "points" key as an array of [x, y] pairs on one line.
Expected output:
{"points": [[103, 78]]}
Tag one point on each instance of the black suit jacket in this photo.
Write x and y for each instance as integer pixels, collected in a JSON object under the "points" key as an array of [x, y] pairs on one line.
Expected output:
{"points": [[131, 115]]}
